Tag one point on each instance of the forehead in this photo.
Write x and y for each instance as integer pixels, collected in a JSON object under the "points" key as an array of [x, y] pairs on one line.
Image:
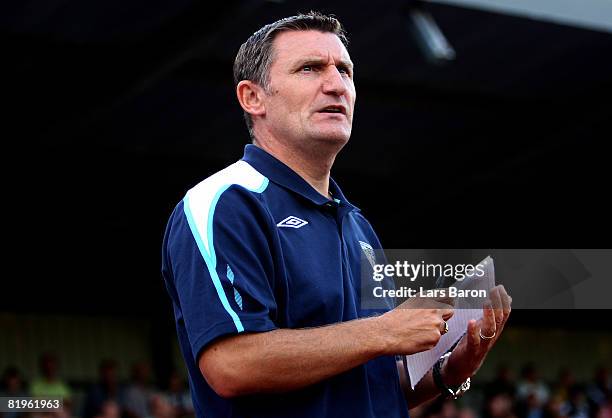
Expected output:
{"points": [[291, 46]]}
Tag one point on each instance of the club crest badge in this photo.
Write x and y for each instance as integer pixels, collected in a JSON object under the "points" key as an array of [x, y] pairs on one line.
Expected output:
{"points": [[369, 252]]}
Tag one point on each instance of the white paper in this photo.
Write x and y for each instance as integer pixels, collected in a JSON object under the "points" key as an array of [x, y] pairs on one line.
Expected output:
{"points": [[419, 364]]}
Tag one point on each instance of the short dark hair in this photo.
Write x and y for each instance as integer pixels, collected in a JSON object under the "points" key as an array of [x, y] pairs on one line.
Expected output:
{"points": [[255, 56]]}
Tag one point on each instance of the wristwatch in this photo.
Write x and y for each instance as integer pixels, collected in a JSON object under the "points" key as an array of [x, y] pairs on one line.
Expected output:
{"points": [[448, 392]]}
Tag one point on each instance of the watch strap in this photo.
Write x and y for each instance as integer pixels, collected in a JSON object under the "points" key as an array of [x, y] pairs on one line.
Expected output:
{"points": [[445, 390]]}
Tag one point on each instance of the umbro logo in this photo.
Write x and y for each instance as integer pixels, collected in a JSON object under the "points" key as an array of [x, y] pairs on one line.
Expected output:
{"points": [[291, 222]]}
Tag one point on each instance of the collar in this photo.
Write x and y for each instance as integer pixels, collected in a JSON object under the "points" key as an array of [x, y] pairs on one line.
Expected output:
{"points": [[281, 174]]}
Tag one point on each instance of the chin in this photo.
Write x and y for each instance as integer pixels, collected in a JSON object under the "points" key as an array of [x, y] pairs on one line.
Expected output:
{"points": [[333, 136]]}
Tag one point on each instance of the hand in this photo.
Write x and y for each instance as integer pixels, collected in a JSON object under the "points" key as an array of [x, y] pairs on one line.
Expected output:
{"points": [[471, 351], [415, 325]]}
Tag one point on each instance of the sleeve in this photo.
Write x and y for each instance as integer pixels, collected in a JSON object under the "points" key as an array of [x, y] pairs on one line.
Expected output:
{"points": [[219, 253]]}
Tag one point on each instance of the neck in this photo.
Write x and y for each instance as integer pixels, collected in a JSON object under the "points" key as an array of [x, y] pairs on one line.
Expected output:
{"points": [[313, 166]]}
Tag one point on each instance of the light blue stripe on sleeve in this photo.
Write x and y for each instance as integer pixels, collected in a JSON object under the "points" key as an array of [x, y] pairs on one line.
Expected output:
{"points": [[237, 295], [201, 202], [211, 264]]}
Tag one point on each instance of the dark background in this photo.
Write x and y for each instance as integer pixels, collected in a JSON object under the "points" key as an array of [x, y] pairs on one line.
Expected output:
{"points": [[117, 108]]}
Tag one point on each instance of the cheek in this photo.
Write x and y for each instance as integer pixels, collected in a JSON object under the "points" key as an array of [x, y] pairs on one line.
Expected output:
{"points": [[289, 108], [286, 114], [353, 95]]}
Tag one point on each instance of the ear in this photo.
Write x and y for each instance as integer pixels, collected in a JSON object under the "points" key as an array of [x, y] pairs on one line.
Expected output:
{"points": [[250, 95]]}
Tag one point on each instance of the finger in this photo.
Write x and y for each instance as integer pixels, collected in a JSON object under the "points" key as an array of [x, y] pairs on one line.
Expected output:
{"points": [[447, 313], [496, 301], [488, 326], [472, 336], [506, 301]]}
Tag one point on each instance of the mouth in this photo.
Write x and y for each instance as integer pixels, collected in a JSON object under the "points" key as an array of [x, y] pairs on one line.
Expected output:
{"points": [[333, 109]]}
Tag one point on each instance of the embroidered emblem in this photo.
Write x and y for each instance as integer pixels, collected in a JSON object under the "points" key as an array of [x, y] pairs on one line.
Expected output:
{"points": [[369, 252], [291, 222]]}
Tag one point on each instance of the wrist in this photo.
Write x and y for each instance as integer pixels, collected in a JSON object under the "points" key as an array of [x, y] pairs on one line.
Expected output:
{"points": [[378, 339], [382, 337], [451, 376], [448, 388]]}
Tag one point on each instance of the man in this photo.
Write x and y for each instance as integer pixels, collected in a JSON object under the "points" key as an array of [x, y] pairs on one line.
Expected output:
{"points": [[106, 389], [262, 259], [49, 383], [138, 392]]}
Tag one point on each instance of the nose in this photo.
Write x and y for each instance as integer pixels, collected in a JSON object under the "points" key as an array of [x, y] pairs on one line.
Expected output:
{"points": [[333, 83]]}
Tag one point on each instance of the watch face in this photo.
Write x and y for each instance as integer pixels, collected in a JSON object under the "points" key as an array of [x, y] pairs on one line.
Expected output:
{"points": [[463, 388]]}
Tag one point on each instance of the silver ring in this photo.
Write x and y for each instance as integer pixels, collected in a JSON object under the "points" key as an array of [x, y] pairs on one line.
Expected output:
{"points": [[485, 337], [445, 330]]}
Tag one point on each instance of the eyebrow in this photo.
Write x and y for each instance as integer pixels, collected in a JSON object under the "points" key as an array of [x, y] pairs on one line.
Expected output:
{"points": [[314, 60]]}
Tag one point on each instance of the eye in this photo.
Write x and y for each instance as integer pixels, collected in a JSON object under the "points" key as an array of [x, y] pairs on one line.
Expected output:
{"points": [[344, 70], [307, 68]]}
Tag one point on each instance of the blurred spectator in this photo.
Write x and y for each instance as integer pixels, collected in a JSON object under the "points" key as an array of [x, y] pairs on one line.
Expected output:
{"points": [[106, 389], [605, 410], [161, 408], [531, 407], [576, 406], [599, 391], [563, 386], [109, 409], [138, 393], [500, 406], [12, 385], [465, 412], [502, 383], [553, 408], [439, 408], [178, 396], [49, 384], [531, 390]]}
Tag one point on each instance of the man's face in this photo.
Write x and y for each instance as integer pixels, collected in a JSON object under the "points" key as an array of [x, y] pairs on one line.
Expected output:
{"points": [[311, 94]]}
